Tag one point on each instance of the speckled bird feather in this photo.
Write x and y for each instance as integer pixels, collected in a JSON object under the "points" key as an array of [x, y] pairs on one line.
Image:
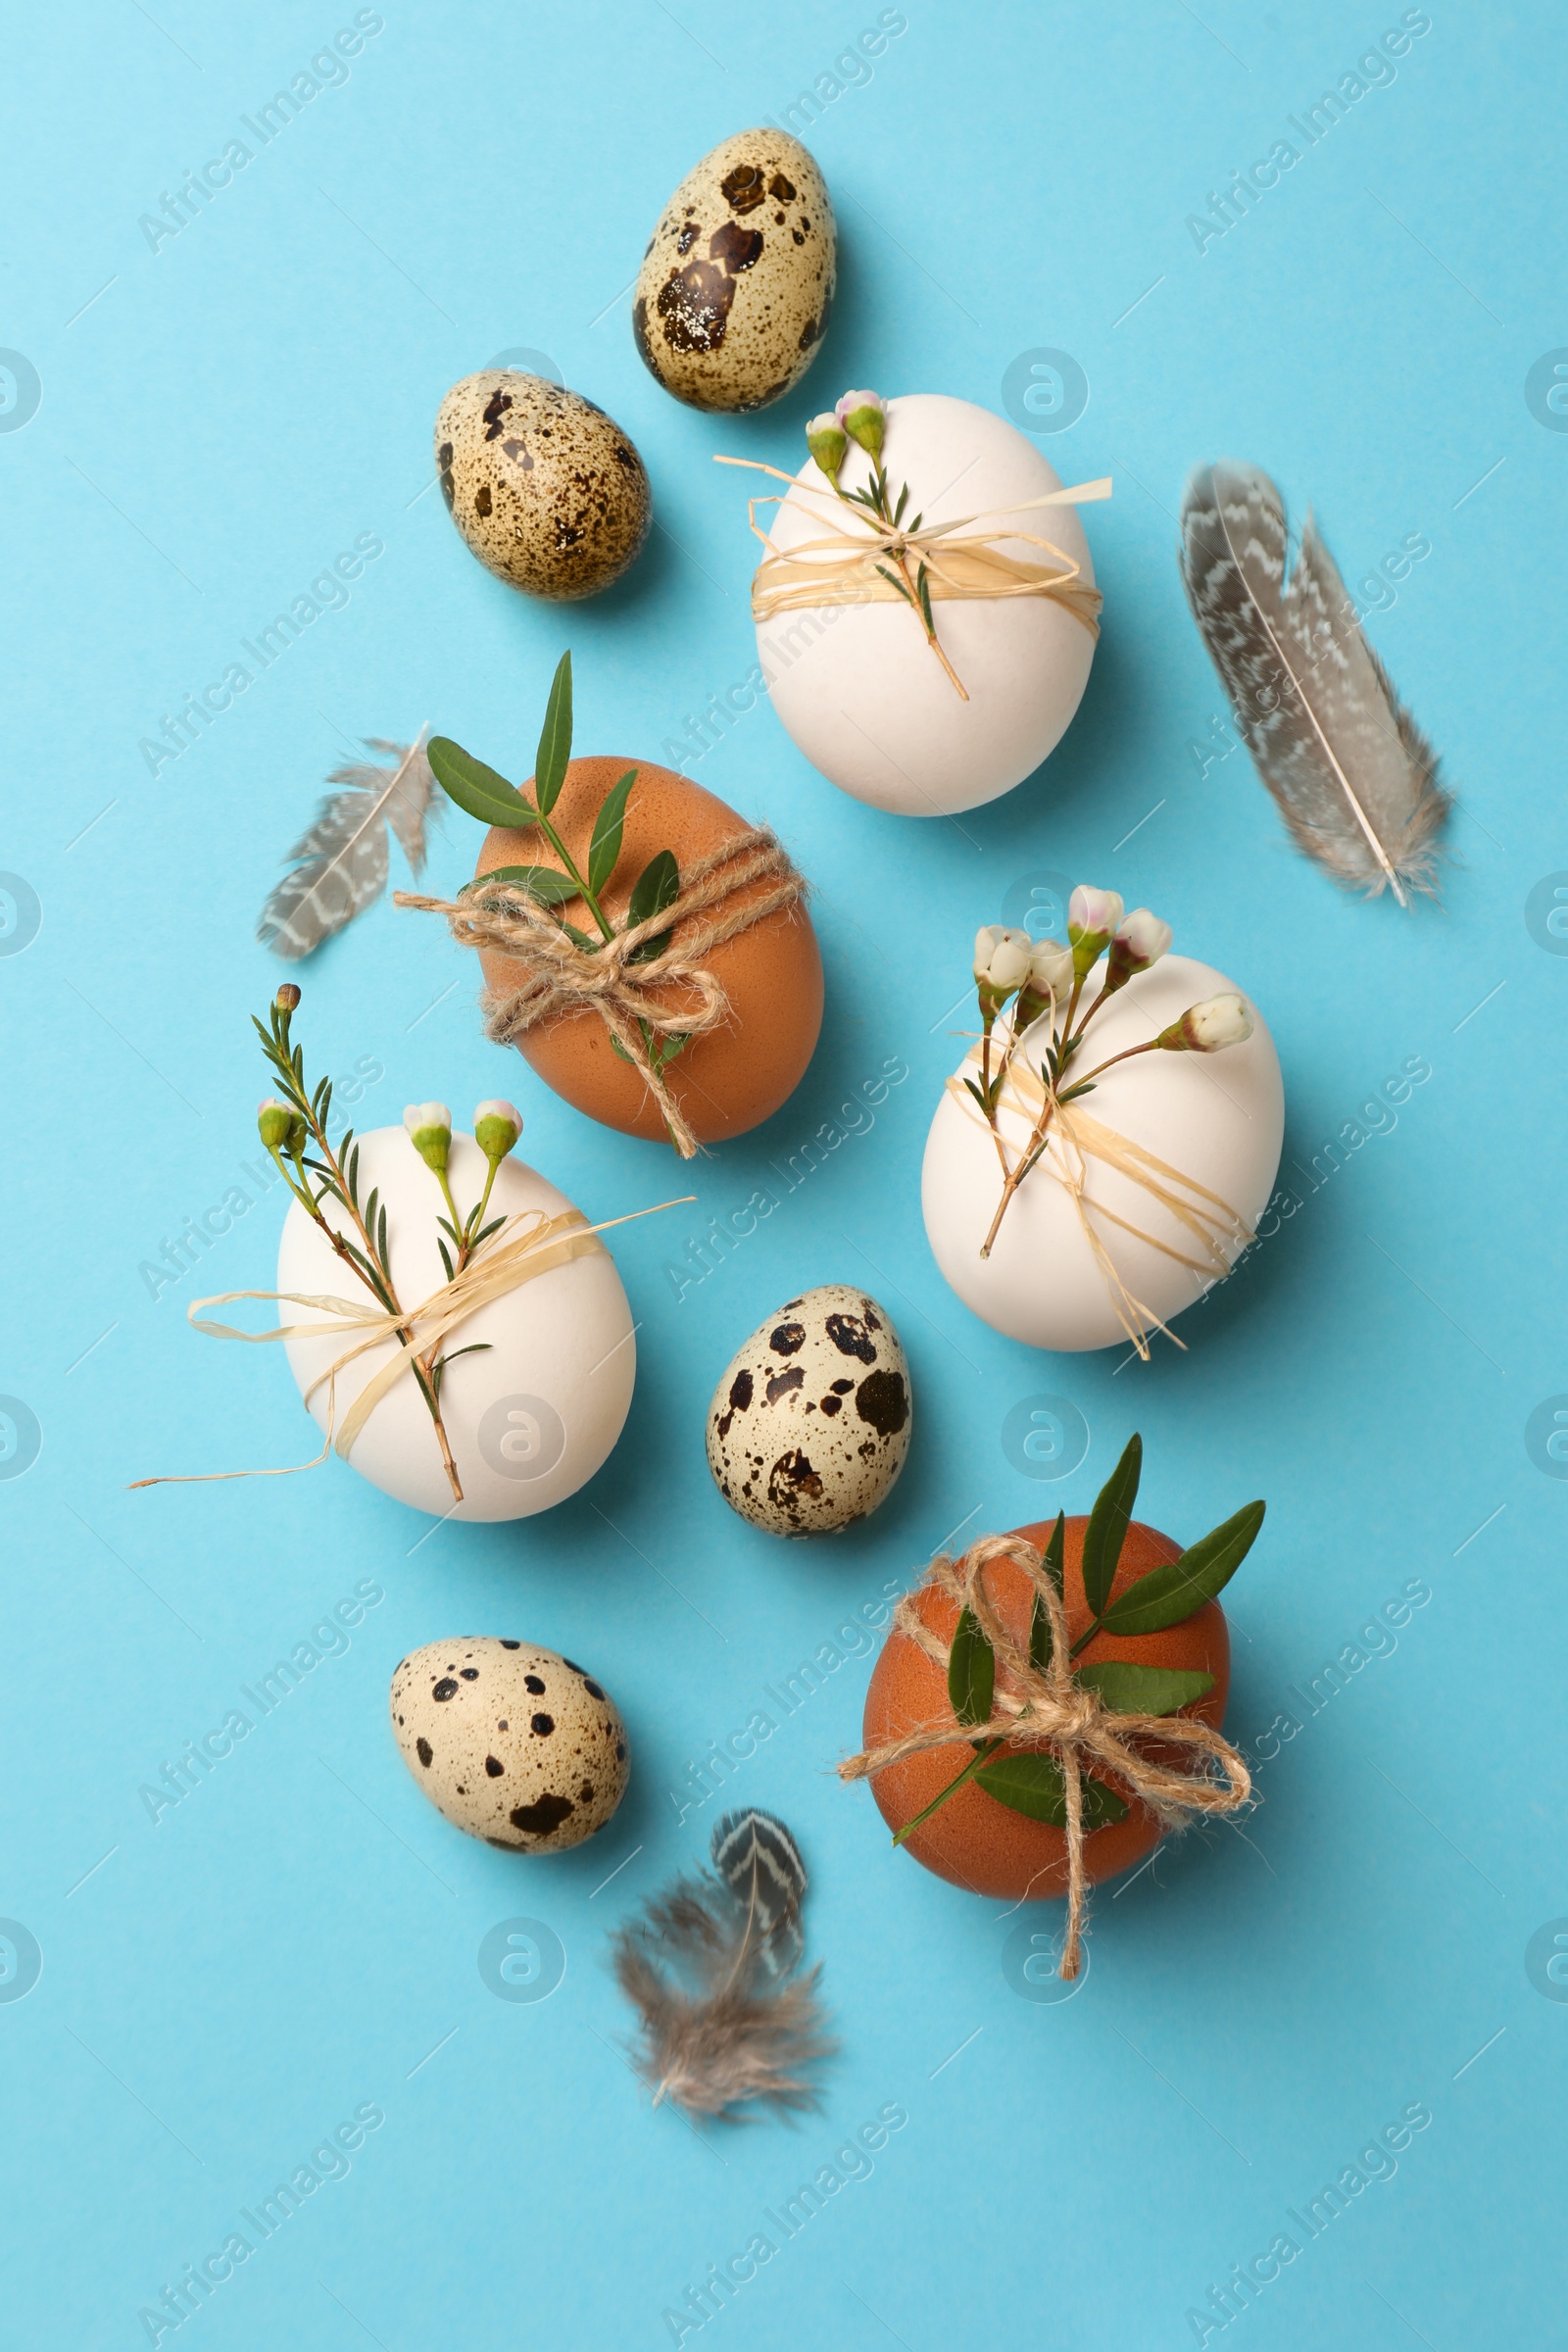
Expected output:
{"points": [[710, 1964], [338, 866], [1355, 779]]}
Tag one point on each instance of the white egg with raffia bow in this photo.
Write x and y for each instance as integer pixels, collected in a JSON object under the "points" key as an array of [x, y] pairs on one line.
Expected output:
{"points": [[533, 1415], [856, 684], [1167, 1217]]}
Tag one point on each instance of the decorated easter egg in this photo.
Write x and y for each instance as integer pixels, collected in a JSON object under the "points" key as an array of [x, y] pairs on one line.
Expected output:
{"points": [[732, 1077], [809, 1425], [514, 1743], [1150, 1187], [737, 281], [534, 1410], [856, 682], [547, 490], [974, 1839]]}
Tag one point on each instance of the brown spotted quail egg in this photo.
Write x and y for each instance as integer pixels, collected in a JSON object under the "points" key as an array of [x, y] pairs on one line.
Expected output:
{"points": [[547, 490], [736, 284], [514, 1743], [809, 1425]]}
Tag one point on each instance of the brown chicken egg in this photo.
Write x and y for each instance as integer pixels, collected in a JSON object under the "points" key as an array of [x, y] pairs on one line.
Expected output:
{"points": [[974, 1840], [736, 1075]]}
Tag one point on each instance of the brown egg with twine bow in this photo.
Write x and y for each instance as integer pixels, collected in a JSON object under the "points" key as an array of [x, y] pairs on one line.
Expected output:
{"points": [[1045, 1708], [646, 949]]}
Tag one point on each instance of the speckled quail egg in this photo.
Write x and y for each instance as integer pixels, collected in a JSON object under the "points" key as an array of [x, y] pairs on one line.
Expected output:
{"points": [[513, 1744], [547, 490], [736, 284], [809, 1425]]}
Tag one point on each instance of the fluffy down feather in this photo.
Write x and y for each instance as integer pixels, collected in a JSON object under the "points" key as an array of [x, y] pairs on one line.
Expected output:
{"points": [[709, 1965]]}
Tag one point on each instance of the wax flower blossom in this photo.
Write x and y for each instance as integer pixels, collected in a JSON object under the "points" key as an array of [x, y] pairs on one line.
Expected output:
{"points": [[1209, 1027], [1045, 977], [1000, 960], [863, 416], [827, 442]]}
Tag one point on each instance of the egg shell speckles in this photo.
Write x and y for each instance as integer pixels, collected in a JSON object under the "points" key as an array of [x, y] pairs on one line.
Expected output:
{"points": [[514, 1743], [809, 1426], [735, 288], [547, 490]]}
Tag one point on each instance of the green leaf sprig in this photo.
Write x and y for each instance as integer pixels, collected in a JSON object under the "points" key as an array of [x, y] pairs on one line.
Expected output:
{"points": [[482, 793], [1031, 1782]]}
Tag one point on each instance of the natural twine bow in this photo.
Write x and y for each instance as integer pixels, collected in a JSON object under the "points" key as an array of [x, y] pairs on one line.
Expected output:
{"points": [[564, 978], [1048, 1709], [1074, 1140], [528, 1245], [962, 559]]}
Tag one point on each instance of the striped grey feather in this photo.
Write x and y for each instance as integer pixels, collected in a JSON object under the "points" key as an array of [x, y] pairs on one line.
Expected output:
{"points": [[1355, 779], [338, 866], [761, 1864]]}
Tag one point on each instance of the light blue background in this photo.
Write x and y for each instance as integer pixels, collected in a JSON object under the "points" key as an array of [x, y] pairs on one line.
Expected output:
{"points": [[217, 420]]}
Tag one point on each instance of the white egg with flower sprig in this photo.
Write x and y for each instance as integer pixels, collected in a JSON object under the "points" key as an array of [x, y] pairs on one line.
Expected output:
{"points": [[926, 610], [1078, 1219], [521, 1401]]}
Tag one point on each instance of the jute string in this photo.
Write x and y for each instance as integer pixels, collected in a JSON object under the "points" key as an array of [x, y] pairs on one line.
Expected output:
{"points": [[563, 978], [528, 1246], [1049, 1709], [1072, 1140], [964, 559]]}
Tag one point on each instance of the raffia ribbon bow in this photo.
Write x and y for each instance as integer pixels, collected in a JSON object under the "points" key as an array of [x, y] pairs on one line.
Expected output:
{"points": [[564, 978], [964, 559], [529, 1245], [1049, 1709], [1218, 1231]]}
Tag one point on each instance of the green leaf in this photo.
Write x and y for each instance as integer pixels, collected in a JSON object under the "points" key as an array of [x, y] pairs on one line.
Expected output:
{"points": [[1055, 1549], [475, 788], [657, 887], [1040, 1639], [1128, 1690], [1166, 1596], [605, 847], [545, 883], [555, 739], [1032, 1783], [894, 581], [1107, 1525], [1039, 1643], [972, 1671], [923, 584]]}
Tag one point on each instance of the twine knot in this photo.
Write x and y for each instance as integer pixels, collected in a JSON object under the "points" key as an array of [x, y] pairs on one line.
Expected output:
{"points": [[626, 985], [1046, 1709]]}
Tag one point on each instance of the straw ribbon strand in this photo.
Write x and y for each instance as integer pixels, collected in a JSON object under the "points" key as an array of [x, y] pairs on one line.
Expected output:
{"points": [[1218, 1232], [530, 1244], [963, 558]]}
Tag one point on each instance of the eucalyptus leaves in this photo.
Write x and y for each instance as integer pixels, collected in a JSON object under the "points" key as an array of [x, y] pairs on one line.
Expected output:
{"points": [[482, 793], [1031, 1779], [293, 1128]]}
